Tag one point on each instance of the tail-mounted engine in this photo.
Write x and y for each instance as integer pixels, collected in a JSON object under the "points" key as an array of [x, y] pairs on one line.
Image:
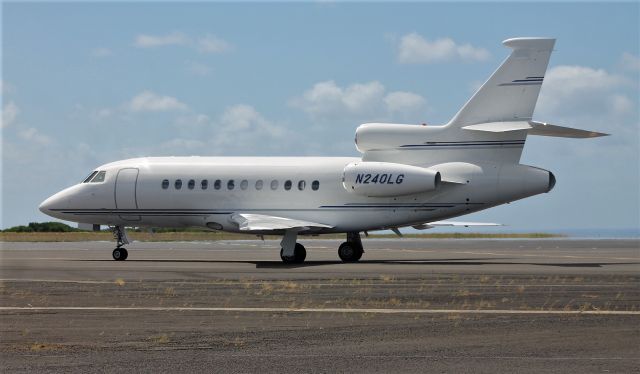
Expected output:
{"points": [[385, 179]]}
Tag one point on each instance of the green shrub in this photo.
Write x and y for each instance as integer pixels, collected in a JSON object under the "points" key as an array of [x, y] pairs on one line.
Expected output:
{"points": [[43, 227]]}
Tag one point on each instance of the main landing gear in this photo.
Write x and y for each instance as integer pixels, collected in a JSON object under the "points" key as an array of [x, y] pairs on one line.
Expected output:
{"points": [[299, 254], [290, 251], [351, 250], [120, 234], [295, 253]]}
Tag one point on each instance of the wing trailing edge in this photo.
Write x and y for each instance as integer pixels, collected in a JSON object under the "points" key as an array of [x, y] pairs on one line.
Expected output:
{"points": [[431, 225], [261, 222]]}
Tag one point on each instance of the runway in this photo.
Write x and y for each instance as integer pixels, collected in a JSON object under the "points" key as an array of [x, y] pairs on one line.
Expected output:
{"points": [[410, 305]]}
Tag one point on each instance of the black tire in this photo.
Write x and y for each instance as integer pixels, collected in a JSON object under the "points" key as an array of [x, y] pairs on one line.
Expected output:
{"points": [[349, 252], [299, 255], [120, 254], [359, 254]]}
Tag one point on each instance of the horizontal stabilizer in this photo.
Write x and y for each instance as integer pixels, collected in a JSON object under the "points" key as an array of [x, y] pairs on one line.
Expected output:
{"points": [[545, 129], [500, 126], [535, 128], [260, 222]]}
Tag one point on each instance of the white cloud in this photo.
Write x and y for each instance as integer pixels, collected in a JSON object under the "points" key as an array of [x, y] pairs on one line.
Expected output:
{"points": [[33, 135], [180, 145], [630, 62], [239, 130], [327, 99], [244, 119], [620, 104], [206, 44], [5, 87], [593, 99], [580, 90], [198, 68], [151, 41], [104, 112], [9, 113], [148, 101], [400, 101], [101, 52], [212, 44], [414, 49]]}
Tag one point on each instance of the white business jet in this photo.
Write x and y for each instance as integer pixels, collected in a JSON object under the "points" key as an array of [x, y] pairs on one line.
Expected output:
{"points": [[408, 175]]}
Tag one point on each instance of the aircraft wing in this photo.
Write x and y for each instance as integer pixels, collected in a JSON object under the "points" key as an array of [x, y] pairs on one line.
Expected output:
{"points": [[261, 222], [431, 225]]}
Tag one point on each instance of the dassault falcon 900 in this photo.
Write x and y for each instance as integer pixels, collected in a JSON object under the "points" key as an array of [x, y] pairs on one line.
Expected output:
{"points": [[408, 175]]}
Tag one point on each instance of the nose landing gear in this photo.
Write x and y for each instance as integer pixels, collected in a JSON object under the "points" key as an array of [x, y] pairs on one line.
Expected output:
{"points": [[120, 234], [120, 254]]}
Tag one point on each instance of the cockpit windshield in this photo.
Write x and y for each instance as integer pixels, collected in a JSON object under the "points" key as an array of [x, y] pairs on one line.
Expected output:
{"points": [[95, 177], [99, 177], [87, 179]]}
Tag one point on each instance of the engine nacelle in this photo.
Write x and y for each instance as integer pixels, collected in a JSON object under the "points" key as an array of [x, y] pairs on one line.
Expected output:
{"points": [[377, 136], [386, 179]]}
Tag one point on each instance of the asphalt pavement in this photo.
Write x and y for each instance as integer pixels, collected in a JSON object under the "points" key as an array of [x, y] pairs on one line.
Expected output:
{"points": [[548, 305]]}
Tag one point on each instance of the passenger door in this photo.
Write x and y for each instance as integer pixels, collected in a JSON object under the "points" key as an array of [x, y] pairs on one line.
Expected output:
{"points": [[125, 194]]}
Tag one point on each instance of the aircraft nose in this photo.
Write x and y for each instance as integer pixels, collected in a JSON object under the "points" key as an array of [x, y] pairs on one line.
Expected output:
{"points": [[57, 201]]}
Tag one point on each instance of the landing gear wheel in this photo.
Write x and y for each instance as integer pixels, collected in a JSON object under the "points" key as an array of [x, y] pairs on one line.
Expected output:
{"points": [[120, 254], [349, 252], [299, 254]]}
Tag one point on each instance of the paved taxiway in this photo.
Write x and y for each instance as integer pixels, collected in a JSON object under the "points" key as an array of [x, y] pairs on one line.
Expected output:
{"points": [[409, 305]]}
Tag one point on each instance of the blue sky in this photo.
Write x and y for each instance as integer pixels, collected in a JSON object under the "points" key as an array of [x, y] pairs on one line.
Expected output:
{"points": [[85, 84]]}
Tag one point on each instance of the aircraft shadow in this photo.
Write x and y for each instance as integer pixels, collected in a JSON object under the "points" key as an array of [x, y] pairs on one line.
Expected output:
{"points": [[463, 262], [427, 262]]}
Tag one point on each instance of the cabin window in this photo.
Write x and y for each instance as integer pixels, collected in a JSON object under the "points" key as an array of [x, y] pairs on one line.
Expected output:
{"points": [[315, 185], [287, 185], [274, 184], [191, 184], [165, 184], [302, 185], [244, 184], [259, 184], [178, 184], [217, 184], [87, 179], [99, 178], [231, 184], [204, 184]]}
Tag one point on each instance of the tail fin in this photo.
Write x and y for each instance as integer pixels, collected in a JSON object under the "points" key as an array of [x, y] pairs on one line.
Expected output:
{"points": [[511, 92]]}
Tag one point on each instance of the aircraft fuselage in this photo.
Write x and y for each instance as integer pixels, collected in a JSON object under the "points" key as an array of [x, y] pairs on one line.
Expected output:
{"points": [[207, 191]]}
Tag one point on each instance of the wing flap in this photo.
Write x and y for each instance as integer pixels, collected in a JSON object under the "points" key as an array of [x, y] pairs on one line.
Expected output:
{"points": [[431, 225], [261, 222]]}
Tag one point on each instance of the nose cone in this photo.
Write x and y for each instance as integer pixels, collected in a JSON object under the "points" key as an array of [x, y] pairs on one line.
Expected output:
{"points": [[51, 205]]}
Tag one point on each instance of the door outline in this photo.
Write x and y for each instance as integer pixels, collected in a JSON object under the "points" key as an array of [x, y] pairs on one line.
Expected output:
{"points": [[127, 217]]}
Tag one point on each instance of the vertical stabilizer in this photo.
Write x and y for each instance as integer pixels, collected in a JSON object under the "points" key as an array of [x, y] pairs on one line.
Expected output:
{"points": [[511, 92]]}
